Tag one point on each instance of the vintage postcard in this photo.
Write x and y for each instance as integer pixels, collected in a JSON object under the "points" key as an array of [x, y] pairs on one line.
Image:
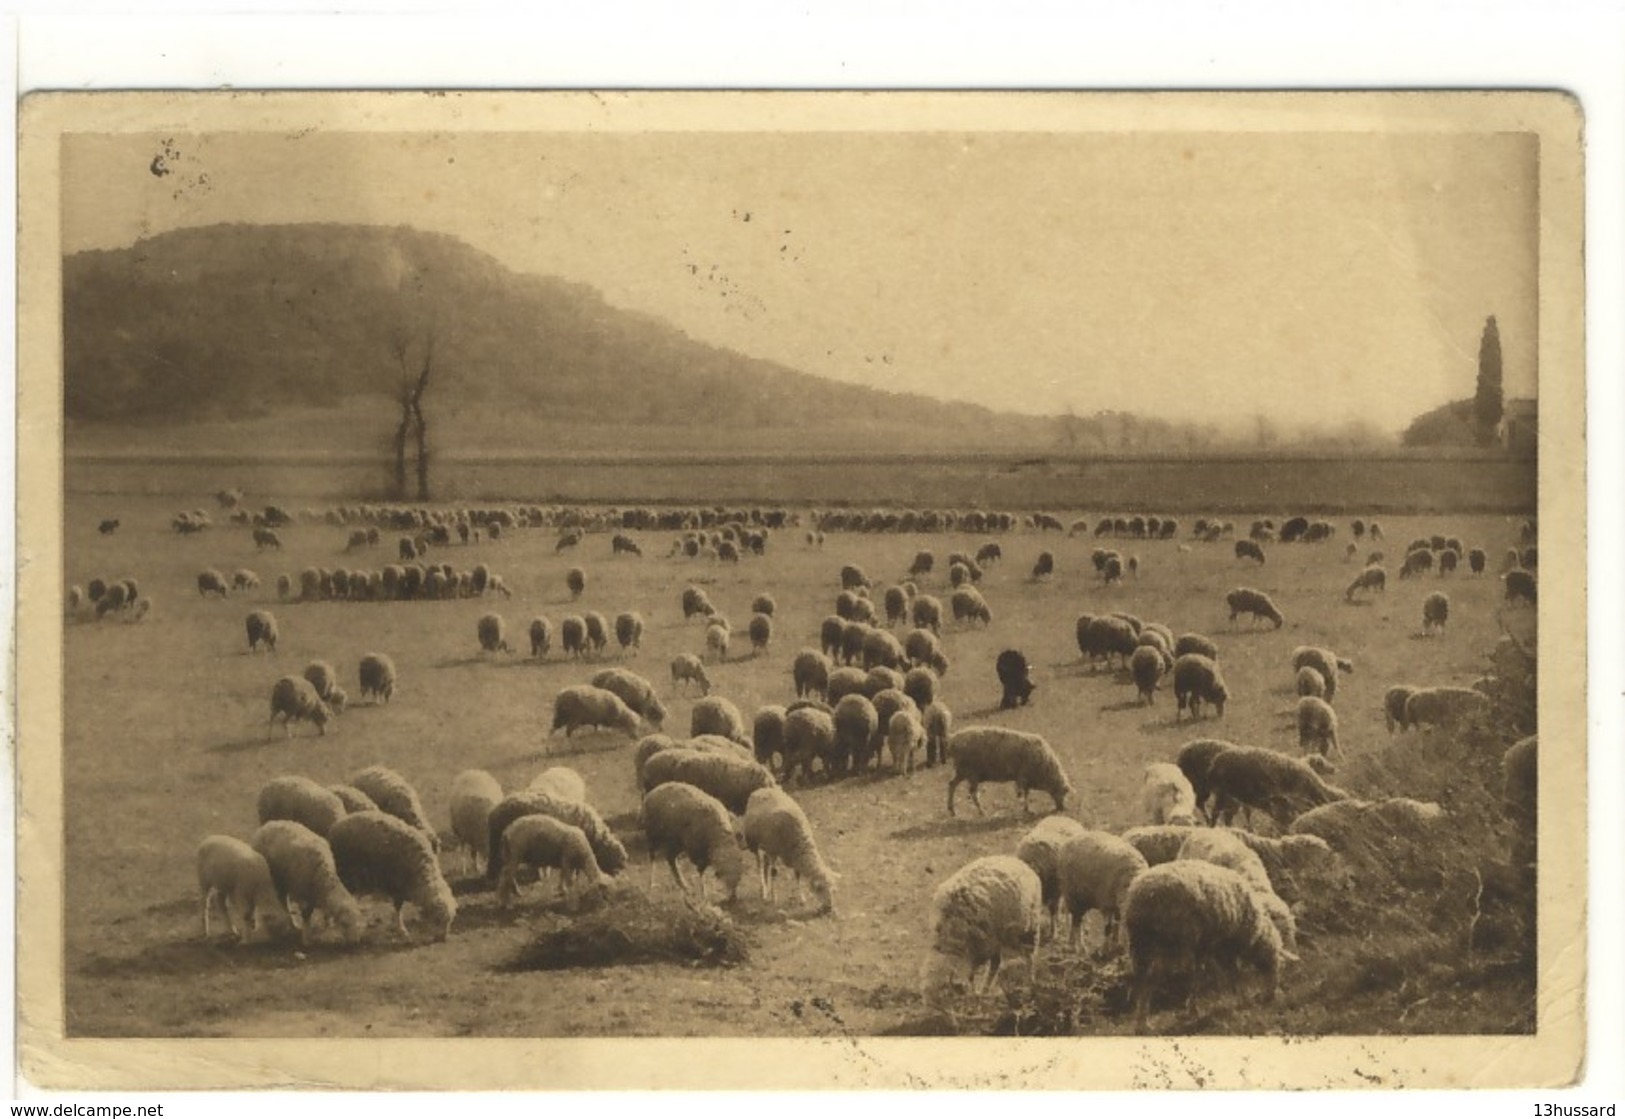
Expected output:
{"points": [[801, 590]]}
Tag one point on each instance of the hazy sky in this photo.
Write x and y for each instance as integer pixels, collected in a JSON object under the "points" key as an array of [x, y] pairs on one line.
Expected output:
{"points": [[1320, 277]]}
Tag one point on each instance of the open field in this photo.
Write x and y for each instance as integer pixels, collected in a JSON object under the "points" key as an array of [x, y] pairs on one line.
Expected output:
{"points": [[166, 742]]}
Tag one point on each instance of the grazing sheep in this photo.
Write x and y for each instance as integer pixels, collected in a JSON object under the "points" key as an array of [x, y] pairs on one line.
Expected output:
{"points": [[261, 627], [560, 782], [1325, 662], [778, 833], [629, 630], [301, 800], [1444, 707], [1417, 560], [767, 734], [696, 602], [905, 738], [1520, 586], [1245, 600], [1317, 724], [1183, 914], [997, 754], [811, 671], [541, 636], [1373, 578], [1249, 549], [763, 604], [809, 735], [844, 682], [284, 587], [857, 724], [1197, 680], [1044, 567], [1104, 636], [377, 673], [1435, 612], [1147, 666], [989, 907], [716, 641], [584, 705], [576, 580], [1158, 843], [1194, 759], [1476, 560], [293, 698], [395, 796], [1167, 795], [633, 690], [719, 716], [1393, 707], [1094, 871], [377, 853], [1310, 682], [852, 577], [1195, 643], [1014, 679], [353, 799], [303, 873], [211, 582], [474, 793], [896, 604], [573, 635], [969, 606], [596, 631], [686, 667], [244, 580], [1226, 848], [728, 777], [882, 648], [920, 685], [607, 850], [1249, 777], [490, 629], [939, 724], [925, 612], [680, 819], [1040, 849], [231, 870], [546, 844], [1449, 559], [923, 648]]}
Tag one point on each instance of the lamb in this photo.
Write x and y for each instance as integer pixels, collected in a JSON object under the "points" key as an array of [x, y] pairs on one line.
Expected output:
{"points": [[395, 796], [377, 674], [1520, 585], [1373, 578], [1197, 680], [492, 638], [680, 819], [1222, 847], [1095, 870], [1393, 706], [1246, 600], [719, 716], [606, 849], [635, 691], [905, 738], [1167, 795], [1194, 760], [1317, 724], [301, 800], [1014, 678], [261, 627], [377, 853], [546, 843], [1195, 643], [809, 734], [583, 705], [778, 832], [716, 641], [856, 725], [1147, 666], [1040, 849], [1327, 663], [293, 698], [811, 670], [1435, 612], [1249, 549], [210, 582], [728, 778], [474, 793], [767, 734], [231, 870], [1251, 777], [969, 606], [686, 667], [1186, 913], [984, 754], [989, 907], [541, 636], [1444, 707], [303, 872]]}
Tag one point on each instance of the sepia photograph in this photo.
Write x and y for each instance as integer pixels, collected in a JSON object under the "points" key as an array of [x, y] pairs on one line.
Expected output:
{"points": [[801, 590]]}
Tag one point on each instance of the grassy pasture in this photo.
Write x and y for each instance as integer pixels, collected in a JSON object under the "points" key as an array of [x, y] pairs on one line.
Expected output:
{"points": [[166, 743]]}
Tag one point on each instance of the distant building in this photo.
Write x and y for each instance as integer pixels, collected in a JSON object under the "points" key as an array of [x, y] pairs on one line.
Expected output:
{"points": [[1520, 426]]}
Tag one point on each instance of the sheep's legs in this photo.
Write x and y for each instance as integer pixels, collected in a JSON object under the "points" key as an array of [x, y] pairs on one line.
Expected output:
{"points": [[400, 921], [208, 903]]}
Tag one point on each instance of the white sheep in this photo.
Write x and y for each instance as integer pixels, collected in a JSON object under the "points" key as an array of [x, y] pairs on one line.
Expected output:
{"points": [[541, 636], [687, 667], [394, 795], [1317, 725], [809, 735], [377, 673], [1159, 843], [635, 691], [719, 716], [262, 630], [1167, 796], [1040, 849], [811, 670], [582, 705], [1444, 706], [377, 853], [303, 873], [1325, 662], [302, 800], [293, 698], [989, 907], [778, 832], [1224, 847], [1094, 871], [1197, 680], [905, 738], [323, 677], [353, 799], [1147, 666], [730, 779], [1309, 682], [546, 844], [606, 848], [1183, 914], [680, 819], [938, 721], [561, 782], [982, 754], [716, 641], [474, 792], [238, 875]]}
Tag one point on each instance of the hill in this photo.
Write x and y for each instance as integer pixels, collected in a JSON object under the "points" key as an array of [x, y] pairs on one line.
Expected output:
{"points": [[1449, 425], [232, 323]]}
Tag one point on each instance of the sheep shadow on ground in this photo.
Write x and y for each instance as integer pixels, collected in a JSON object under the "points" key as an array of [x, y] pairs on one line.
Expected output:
{"points": [[191, 956], [260, 742], [948, 826], [1122, 705], [985, 712], [1174, 723]]}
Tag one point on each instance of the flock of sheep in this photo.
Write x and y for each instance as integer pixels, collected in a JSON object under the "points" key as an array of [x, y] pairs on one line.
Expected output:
{"points": [[1185, 890]]}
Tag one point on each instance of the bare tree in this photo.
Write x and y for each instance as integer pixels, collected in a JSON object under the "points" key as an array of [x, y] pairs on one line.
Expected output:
{"points": [[410, 395]]}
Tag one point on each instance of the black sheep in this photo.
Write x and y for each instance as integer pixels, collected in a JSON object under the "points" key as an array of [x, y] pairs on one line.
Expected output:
{"points": [[1018, 687]]}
